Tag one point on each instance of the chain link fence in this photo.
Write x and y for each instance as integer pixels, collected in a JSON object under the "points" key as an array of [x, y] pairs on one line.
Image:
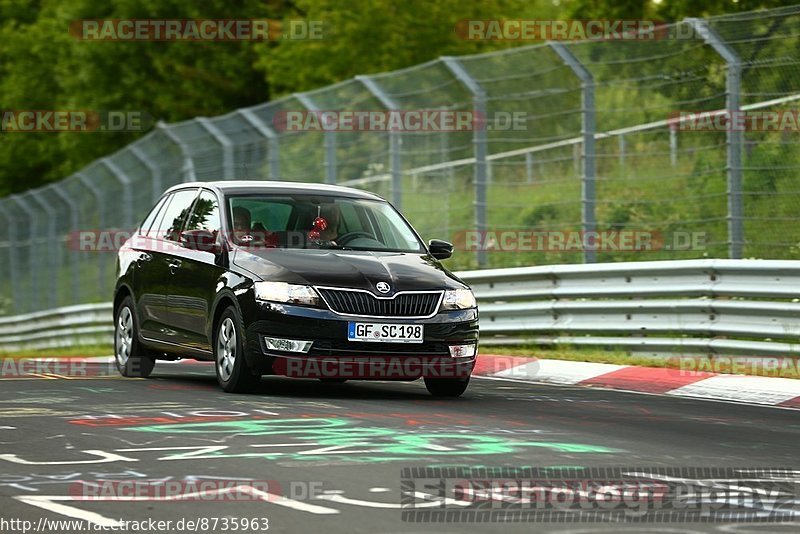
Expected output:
{"points": [[595, 145]]}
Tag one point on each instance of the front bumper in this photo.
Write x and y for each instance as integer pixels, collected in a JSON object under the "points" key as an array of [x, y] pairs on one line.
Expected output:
{"points": [[333, 356]]}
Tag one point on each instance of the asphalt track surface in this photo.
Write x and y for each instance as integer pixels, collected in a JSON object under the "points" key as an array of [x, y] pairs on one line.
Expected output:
{"points": [[329, 457]]}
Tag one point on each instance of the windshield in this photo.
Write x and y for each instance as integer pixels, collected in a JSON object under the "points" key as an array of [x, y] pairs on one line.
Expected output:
{"points": [[319, 222]]}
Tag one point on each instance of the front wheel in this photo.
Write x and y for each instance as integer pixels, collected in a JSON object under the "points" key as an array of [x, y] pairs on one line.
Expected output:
{"points": [[132, 359], [233, 374], [446, 387]]}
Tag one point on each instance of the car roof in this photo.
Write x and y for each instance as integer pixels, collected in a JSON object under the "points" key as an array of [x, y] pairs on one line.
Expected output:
{"points": [[245, 187]]}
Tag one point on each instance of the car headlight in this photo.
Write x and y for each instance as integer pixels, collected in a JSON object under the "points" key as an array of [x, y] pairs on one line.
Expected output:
{"points": [[458, 299], [288, 293]]}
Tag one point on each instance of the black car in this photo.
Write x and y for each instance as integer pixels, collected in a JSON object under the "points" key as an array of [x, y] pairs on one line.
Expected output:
{"points": [[301, 280]]}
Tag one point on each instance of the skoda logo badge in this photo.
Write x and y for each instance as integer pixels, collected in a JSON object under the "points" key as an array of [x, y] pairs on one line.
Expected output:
{"points": [[383, 287]]}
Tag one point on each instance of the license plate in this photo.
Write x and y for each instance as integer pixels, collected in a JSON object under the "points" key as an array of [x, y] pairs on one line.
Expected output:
{"points": [[385, 332]]}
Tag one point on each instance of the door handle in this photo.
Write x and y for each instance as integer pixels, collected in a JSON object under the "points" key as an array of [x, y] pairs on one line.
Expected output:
{"points": [[174, 264]]}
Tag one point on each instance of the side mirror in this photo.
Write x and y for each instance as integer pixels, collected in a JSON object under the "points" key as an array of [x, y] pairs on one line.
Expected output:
{"points": [[441, 250], [202, 240]]}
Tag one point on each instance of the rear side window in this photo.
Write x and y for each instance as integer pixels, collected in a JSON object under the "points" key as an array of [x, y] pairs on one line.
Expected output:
{"points": [[170, 224], [148, 221]]}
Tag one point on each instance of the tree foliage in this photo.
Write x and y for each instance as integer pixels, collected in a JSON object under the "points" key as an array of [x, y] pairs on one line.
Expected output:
{"points": [[43, 67]]}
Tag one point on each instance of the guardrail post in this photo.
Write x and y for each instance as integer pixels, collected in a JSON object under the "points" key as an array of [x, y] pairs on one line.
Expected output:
{"points": [[157, 187], [127, 187], [12, 258], [73, 260], [34, 260], [228, 163], [588, 199], [188, 162], [273, 146], [480, 141], [102, 220], [395, 162], [330, 139], [735, 137], [53, 249]]}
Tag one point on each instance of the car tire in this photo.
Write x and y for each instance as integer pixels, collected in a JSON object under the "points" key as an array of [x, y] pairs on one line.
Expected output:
{"points": [[233, 373], [446, 387], [133, 360]]}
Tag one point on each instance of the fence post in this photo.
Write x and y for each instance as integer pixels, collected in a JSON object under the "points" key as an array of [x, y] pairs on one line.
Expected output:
{"points": [[395, 162], [188, 162], [588, 199], [673, 143], [622, 147], [53, 251], [273, 146], [127, 187], [101, 220], [480, 142], [157, 188], [34, 262], [73, 260], [12, 258], [735, 137], [529, 167], [330, 139], [228, 163]]}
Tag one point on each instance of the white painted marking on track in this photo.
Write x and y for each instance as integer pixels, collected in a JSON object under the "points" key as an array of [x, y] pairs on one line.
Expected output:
{"points": [[379, 490], [46, 502]]}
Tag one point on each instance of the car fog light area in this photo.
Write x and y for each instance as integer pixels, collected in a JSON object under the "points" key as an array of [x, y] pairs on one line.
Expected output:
{"points": [[463, 351], [287, 345]]}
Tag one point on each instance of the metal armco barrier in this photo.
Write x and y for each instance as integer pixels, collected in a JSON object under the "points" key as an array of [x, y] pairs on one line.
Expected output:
{"points": [[711, 306]]}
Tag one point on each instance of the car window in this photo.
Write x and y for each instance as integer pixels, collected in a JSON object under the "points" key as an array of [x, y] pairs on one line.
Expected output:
{"points": [[148, 221], [170, 225], [270, 215], [205, 215], [346, 222]]}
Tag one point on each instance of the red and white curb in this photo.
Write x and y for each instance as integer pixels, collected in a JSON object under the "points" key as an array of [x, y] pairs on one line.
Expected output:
{"points": [[784, 392]]}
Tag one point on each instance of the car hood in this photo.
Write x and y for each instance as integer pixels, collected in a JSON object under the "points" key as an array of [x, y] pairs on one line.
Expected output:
{"points": [[347, 268]]}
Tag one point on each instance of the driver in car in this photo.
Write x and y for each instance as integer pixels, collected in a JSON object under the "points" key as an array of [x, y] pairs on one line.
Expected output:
{"points": [[241, 225]]}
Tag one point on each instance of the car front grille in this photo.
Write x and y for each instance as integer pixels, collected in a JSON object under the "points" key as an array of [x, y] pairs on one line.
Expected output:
{"points": [[422, 304]]}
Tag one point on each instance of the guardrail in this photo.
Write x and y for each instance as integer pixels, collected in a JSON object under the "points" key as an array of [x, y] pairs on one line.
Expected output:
{"points": [[73, 326], [708, 306]]}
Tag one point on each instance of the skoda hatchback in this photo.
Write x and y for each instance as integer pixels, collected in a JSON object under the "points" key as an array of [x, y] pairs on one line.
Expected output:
{"points": [[299, 280]]}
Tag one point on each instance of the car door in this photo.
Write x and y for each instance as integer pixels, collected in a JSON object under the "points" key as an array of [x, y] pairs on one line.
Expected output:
{"points": [[194, 279], [154, 283], [150, 302]]}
